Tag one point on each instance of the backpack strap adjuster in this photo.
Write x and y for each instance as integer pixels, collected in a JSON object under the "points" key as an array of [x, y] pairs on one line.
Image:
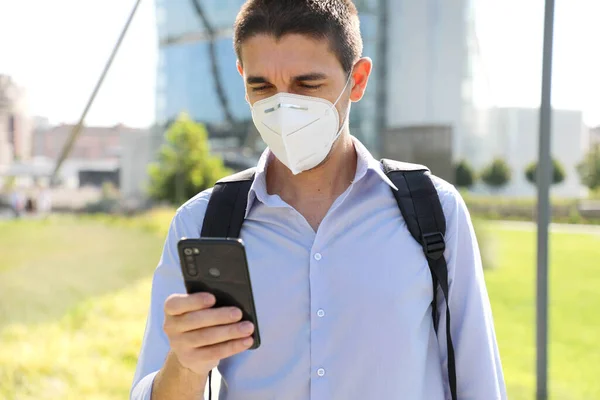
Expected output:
{"points": [[434, 245]]}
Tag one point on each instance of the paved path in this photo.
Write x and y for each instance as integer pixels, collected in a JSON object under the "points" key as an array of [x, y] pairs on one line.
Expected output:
{"points": [[560, 228]]}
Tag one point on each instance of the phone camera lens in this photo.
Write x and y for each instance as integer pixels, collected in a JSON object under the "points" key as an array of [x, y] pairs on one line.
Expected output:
{"points": [[192, 270], [187, 252], [214, 272]]}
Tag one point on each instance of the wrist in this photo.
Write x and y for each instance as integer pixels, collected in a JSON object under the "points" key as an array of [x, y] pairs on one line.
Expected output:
{"points": [[185, 371], [174, 381]]}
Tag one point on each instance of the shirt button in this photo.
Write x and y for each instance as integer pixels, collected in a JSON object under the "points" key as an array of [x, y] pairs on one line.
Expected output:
{"points": [[321, 372], [321, 313], [318, 256]]}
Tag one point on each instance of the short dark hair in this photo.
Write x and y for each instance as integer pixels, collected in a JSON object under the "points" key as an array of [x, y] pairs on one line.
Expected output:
{"points": [[336, 20]]}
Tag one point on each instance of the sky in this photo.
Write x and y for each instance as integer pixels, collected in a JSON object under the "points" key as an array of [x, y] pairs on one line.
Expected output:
{"points": [[57, 49], [511, 37]]}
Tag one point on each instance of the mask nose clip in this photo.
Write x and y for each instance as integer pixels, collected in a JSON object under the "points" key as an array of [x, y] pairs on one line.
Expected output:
{"points": [[285, 105]]}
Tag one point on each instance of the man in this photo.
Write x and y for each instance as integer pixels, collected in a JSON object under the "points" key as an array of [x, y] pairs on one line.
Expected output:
{"points": [[342, 290]]}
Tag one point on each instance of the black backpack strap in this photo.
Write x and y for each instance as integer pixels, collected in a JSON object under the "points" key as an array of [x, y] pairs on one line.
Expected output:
{"points": [[225, 213], [227, 206], [420, 206]]}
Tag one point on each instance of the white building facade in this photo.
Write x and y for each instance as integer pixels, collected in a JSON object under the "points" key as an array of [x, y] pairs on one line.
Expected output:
{"points": [[513, 135], [429, 66]]}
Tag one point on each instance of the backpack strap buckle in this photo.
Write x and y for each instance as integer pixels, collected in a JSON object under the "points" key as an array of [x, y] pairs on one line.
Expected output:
{"points": [[434, 245]]}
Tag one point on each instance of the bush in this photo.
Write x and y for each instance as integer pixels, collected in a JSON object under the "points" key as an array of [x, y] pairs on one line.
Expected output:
{"points": [[108, 203], [185, 166], [465, 176], [589, 169], [558, 172], [497, 174]]}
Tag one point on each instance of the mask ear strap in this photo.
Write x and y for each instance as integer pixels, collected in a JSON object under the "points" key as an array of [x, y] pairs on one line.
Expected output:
{"points": [[343, 123], [344, 89]]}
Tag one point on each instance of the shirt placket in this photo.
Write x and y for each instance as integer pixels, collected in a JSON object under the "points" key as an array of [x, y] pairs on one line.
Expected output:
{"points": [[319, 300], [320, 313]]}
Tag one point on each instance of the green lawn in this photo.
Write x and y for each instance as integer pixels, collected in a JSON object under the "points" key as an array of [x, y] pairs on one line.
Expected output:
{"points": [[574, 317], [74, 295]]}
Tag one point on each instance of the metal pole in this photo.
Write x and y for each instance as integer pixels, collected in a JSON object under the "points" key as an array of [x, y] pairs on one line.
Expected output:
{"points": [[543, 183], [77, 129], [382, 74]]}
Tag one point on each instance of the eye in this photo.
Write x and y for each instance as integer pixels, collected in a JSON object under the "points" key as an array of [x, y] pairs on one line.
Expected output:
{"points": [[260, 88], [312, 87]]}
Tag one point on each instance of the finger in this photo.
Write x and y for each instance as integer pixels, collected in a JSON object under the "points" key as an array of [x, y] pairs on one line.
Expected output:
{"points": [[178, 304], [225, 350], [218, 334], [206, 318]]}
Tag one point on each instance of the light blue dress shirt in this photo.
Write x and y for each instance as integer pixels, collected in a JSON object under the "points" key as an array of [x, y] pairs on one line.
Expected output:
{"points": [[344, 313]]}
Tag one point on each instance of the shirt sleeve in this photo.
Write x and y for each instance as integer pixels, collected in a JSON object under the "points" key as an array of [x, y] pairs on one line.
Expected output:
{"points": [[478, 367], [167, 280]]}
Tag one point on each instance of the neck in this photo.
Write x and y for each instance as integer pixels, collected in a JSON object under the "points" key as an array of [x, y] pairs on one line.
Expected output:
{"points": [[322, 183]]}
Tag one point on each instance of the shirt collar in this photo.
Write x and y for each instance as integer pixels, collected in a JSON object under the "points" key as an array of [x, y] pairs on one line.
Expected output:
{"points": [[365, 162]]}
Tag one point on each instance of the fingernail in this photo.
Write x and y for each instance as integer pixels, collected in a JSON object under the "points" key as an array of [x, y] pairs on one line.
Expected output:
{"points": [[246, 327], [208, 300], [248, 342], [236, 314]]}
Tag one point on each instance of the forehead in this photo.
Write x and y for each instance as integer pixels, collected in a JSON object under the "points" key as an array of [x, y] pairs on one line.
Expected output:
{"points": [[290, 55]]}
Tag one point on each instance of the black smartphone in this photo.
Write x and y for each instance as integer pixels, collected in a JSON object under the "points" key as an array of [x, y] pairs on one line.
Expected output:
{"points": [[219, 266]]}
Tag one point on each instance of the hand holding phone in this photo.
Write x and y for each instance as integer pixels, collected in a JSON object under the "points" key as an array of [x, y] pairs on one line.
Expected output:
{"points": [[200, 335], [217, 318]]}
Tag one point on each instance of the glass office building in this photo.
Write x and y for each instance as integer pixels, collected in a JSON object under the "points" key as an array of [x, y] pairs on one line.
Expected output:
{"points": [[186, 74]]}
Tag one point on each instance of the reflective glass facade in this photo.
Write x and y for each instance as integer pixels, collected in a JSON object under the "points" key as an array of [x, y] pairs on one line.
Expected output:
{"points": [[185, 77]]}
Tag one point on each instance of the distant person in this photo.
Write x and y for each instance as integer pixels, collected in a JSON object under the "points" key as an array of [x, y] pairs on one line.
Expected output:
{"points": [[17, 202], [343, 290], [44, 201], [30, 204]]}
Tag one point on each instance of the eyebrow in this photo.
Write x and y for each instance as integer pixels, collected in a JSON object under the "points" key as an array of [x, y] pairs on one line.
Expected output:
{"points": [[314, 76]]}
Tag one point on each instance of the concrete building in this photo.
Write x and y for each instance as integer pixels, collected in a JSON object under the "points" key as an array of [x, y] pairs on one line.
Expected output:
{"points": [[429, 145], [513, 134], [15, 125], [93, 143], [97, 156], [428, 65], [137, 152], [595, 136]]}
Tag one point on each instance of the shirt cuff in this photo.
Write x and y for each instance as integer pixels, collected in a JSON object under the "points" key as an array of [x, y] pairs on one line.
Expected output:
{"points": [[143, 389]]}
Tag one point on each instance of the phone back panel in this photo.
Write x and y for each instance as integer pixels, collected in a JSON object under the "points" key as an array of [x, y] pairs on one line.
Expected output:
{"points": [[220, 267]]}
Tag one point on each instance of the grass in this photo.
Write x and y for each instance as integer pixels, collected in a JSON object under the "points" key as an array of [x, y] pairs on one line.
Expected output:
{"points": [[574, 319], [73, 300], [74, 295], [48, 266]]}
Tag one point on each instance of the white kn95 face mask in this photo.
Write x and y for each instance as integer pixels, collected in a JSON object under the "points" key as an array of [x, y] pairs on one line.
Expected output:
{"points": [[299, 130]]}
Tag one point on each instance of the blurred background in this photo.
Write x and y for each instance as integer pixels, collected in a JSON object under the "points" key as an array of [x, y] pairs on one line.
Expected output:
{"points": [[456, 86]]}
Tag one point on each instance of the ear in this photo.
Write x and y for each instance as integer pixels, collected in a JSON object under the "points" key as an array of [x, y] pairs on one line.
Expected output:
{"points": [[360, 77], [240, 68], [241, 72]]}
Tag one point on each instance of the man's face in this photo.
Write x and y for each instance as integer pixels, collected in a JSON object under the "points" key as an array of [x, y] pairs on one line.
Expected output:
{"points": [[301, 65]]}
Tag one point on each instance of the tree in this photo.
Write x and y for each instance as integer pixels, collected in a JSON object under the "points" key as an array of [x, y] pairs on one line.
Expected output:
{"points": [[558, 172], [497, 174], [589, 169], [185, 165], [465, 176]]}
